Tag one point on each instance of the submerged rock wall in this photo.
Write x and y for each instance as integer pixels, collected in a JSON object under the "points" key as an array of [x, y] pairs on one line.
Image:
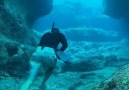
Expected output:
{"points": [[36, 9], [117, 8], [118, 81], [17, 17], [17, 40]]}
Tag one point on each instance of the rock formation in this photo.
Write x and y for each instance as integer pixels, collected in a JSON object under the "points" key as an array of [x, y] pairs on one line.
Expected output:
{"points": [[17, 40], [117, 8]]}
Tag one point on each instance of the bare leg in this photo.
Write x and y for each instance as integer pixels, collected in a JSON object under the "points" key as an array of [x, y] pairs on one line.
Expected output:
{"points": [[46, 77], [34, 68]]}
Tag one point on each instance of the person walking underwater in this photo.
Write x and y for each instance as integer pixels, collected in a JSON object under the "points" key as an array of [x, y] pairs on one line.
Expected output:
{"points": [[45, 54]]}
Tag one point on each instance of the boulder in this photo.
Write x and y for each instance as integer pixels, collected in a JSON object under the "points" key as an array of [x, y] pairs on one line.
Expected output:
{"points": [[118, 81]]}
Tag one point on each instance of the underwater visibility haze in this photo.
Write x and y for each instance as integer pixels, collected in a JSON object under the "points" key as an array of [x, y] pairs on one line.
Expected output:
{"points": [[98, 43]]}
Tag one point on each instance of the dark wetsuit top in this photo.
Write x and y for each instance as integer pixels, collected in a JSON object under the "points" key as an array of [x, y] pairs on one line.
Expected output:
{"points": [[52, 40]]}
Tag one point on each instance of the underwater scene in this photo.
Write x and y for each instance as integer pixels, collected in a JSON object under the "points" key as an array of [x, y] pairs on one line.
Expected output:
{"points": [[64, 44]]}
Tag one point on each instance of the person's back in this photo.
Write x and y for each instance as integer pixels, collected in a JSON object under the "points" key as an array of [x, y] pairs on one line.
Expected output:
{"points": [[52, 39]]}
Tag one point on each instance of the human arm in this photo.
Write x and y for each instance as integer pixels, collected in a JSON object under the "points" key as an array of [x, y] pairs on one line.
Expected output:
{"points": [[64, 43], [62, 55]]}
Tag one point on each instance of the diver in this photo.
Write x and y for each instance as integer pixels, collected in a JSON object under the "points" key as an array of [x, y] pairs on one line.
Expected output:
{"points": [[45, 54]]}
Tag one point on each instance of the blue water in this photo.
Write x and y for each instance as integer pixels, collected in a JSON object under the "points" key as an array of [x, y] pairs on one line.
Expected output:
{"points": [[95, 43], [74, 13], [95, 39]]}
